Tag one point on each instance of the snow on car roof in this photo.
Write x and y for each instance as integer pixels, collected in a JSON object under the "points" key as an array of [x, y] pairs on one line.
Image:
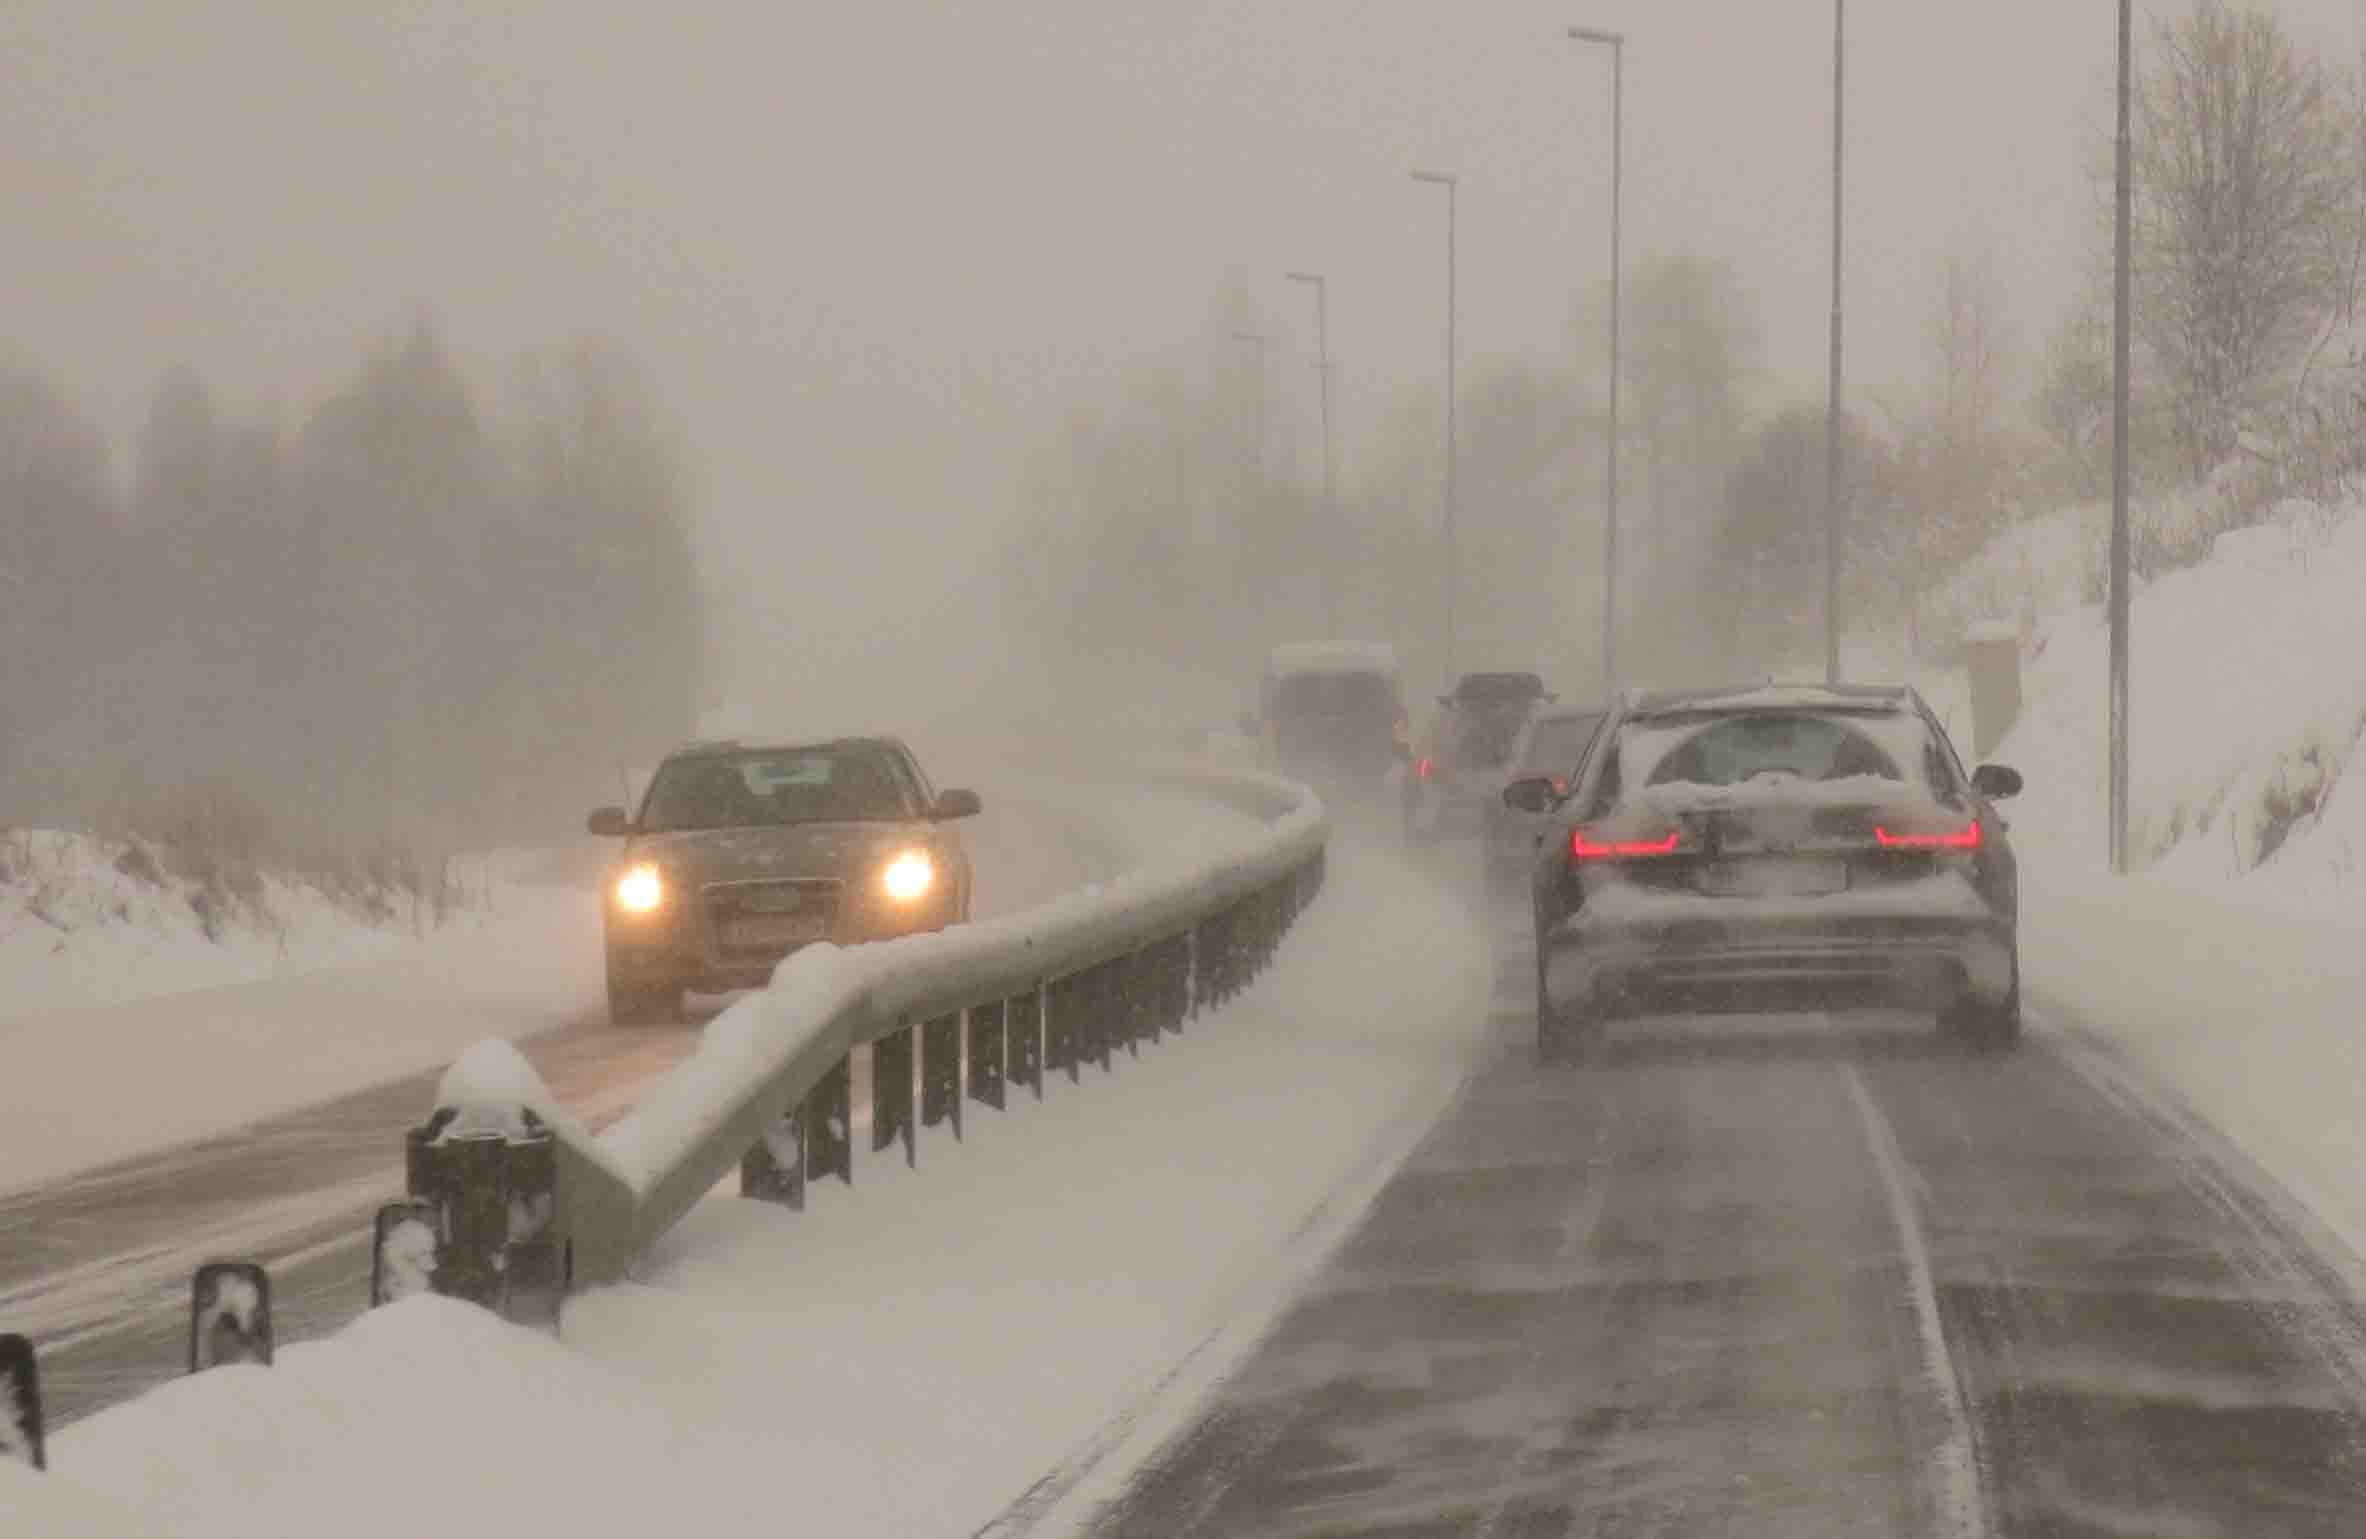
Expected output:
{"points": [[1332, 657], [1762, 697]]}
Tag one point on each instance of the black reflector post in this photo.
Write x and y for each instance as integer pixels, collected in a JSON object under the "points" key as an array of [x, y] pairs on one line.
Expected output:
{"points": [[20, 1403], [492, 1181], [403, 1244], [774, 1170], [829, 1126], [229, 1315]]}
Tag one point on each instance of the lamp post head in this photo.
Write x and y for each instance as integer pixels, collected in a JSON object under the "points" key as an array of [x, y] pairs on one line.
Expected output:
{"points": [[1441, 178], [1304, 277], [1596, 35]]}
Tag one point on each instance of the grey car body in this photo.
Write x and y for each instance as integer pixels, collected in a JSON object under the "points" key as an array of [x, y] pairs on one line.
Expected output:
{"points": [[1770, 848], [756, 850], [1552, 744]]}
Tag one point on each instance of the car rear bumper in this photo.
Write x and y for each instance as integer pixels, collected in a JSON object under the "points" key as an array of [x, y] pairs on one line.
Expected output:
{"points": [[1912, 960]]}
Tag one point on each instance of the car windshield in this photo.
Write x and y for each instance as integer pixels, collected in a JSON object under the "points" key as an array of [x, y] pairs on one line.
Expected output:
{"points": [[775, 788], [1733, 750], [1334, 695], [1558, 742]]}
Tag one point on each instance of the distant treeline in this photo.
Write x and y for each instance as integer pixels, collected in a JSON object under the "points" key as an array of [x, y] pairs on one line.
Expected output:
{"points": [[404, 612]]}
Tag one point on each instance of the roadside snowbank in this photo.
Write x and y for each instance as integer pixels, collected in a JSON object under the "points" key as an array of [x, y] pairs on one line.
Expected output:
{"points": [[105, 1081], [910, 1353]]}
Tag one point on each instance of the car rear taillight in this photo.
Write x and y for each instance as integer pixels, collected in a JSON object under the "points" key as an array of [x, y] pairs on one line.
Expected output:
{"points": [[1584, 846], [1560, 785], [1426, 768], [1965, 838]]}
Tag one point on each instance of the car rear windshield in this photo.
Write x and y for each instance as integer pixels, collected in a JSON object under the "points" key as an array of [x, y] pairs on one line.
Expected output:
{"points": [[766, 789], [1353, 695], [1736, 749], [1499, 688], [1558, 743]]}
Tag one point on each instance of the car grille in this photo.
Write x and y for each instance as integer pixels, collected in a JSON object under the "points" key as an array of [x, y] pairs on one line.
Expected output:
{"points": [[761, 918]]}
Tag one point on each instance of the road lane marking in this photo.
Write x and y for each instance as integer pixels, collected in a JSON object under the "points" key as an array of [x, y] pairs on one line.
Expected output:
{"points": [[1961, 1507]]}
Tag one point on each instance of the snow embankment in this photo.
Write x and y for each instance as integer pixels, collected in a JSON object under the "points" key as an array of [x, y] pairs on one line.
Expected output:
{"points": [[910, 1354], [2232, 967]]}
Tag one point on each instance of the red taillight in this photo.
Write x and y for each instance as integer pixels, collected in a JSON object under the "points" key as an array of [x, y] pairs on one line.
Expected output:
{"points": [[1582, 846], [1966, 838], [1426, 768], [1560, 785]]}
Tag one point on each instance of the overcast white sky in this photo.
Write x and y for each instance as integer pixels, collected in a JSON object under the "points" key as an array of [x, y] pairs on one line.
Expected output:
{"points": [[874, 250]]}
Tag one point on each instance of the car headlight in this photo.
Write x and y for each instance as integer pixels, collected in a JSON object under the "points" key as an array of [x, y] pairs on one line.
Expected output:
{"points": [[640, 890], [909, 876]]}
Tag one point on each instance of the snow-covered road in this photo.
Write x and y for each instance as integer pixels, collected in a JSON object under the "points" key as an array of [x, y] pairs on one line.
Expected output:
{"points": [[98, 1258], [1790, 1278]]}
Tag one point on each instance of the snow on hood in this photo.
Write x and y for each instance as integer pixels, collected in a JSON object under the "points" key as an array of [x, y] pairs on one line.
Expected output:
{"points": [[54, 1506]]}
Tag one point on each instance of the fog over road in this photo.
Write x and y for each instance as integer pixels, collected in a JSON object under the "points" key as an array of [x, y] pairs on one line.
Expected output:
{"points": [[97, 1265], [1789, 1277]]}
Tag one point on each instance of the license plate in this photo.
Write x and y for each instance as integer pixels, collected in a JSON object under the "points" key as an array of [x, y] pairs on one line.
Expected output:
{"points": [[775, 929], [1775, 878]]}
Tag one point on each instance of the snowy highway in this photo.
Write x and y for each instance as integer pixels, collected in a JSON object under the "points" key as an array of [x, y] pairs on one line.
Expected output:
{"points": [[98, 1261], [1786, 1276]]}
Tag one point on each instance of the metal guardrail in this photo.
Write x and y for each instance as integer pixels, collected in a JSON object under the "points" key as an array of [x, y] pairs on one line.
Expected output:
{"points": [[515, 1195]]}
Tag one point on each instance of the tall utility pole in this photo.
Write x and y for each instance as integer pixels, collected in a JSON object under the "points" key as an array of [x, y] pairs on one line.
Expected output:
{"points": [[1453, 558], [1256, 341], [1616, 42], [1832, 404], [2123, 265], [1322, 348]]}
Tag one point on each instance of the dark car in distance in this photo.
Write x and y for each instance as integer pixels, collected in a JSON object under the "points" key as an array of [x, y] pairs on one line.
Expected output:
{"points": [[742, 853], [1551, 746], [1770, 848], [1459, 763]]}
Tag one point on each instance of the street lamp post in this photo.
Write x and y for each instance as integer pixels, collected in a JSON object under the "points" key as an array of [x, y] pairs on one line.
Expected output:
{"points": [[1322, 348], [1256, 341], [1616, 42], [2123, 268], [1832, 404], [1453, 559]]}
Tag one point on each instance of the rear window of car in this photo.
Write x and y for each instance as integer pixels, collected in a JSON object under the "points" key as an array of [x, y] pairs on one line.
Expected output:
{"points": [[1334, 694], [1558, 743], [774, 788], [1500, 688], [1735, 749]]}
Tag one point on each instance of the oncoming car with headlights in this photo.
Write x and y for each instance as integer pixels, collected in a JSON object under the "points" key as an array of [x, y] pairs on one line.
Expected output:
{"points": [[743, 853]]}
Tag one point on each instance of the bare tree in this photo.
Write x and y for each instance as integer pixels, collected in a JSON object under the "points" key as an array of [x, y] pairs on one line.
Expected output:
{"points": [[2241, 181]]}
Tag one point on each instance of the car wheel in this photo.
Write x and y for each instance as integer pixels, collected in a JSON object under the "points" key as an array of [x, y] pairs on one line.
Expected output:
{"points": [[1989, 1028], [1563, 1031], [644, 1005]]}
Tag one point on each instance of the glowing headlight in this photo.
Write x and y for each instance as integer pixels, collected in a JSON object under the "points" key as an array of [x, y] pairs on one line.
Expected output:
{"points": [[640, 890], [909, 876]]}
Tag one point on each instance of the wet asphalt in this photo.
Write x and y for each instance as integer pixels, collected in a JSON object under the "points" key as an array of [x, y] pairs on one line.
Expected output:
{"points": [[1796, 1277]]}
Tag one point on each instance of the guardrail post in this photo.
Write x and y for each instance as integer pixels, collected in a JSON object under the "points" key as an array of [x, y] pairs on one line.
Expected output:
{"points": [[1175, 982], [1061, 1034], [773, 1169], [828, 1120], [1105, 1018], [1141, 987], [20, 1403], [985, 1045], [1023, 1027], [229, 1315], [494, 1195], [891, 1094], [940, 1072]]}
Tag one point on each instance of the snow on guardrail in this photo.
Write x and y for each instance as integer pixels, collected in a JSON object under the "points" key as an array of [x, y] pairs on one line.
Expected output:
{"points": [[960, 1012]]}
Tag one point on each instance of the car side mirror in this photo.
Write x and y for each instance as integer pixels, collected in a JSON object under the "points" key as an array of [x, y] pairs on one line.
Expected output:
{"points": [[956, 804], [1530, 794], [610, 822], [1997, 781]]}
